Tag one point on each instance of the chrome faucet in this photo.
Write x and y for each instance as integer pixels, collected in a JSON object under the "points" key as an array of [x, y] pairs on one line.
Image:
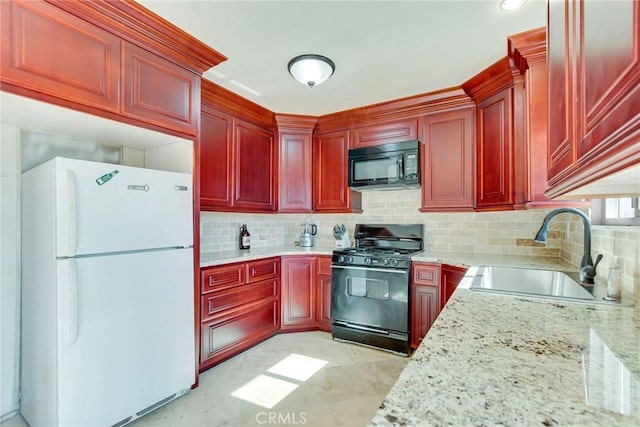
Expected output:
{"points": [[587, 270]]}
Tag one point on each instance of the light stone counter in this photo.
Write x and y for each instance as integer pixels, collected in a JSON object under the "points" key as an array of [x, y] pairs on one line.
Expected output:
{"points": [[208, 259], [493, 359]]}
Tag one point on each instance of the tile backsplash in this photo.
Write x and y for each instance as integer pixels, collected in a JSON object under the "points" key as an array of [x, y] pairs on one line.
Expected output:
{"points": [[506, 232]]}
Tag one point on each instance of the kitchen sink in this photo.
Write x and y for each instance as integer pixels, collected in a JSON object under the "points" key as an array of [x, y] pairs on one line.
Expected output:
{"points": [[532, 282]]}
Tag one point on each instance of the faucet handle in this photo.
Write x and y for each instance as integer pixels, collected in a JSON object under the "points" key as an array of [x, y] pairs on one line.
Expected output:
{"points": [[588, 272]]}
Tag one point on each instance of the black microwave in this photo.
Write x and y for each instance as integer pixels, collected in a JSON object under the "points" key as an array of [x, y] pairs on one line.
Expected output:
{"points": [[388, 166]]}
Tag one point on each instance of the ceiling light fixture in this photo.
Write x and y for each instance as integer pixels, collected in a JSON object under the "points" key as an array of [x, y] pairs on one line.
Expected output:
{"points": [[311, 70], [511, 5]]}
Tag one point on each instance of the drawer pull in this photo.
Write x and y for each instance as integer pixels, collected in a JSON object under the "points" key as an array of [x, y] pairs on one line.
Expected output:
{"points": [[211, 280]]}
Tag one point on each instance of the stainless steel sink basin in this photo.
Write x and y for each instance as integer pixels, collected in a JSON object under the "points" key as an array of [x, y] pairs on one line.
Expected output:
{"points": [[524, 281]]}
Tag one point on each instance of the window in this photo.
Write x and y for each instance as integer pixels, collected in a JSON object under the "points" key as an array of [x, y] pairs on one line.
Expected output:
{"points": [[617, 211]]}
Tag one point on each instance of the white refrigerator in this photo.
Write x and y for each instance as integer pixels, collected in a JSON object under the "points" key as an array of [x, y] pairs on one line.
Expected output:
{"points": [[107, 292]]}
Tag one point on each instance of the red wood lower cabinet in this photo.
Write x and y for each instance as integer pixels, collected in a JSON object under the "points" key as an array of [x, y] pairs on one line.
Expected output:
{"points": [[323, 283], [432, 285], [239, 307], [425, 305], [298, 292]]}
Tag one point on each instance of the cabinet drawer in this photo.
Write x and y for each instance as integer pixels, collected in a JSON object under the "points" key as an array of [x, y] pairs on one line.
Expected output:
{"points": [[263, 269], [217, 278], [324, 265], [224, 337], [216, 302], [426, 274]]}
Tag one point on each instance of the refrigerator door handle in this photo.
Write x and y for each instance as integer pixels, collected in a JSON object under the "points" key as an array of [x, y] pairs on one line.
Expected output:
{"points": [[71, 215], [73, 303]]}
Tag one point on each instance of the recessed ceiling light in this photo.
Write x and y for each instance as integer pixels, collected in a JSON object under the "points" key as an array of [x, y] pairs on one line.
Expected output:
{"points": [[511, 5]]}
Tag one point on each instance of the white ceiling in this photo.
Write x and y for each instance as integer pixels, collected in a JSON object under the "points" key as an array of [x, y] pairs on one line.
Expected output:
{"points": [[383, 50]]}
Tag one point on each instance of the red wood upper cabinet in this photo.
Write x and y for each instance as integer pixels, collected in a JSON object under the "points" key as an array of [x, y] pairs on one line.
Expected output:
{"points": [[254, 168], [500, 159], [594, 90], [385, 133], [295, 184], [49, 51], [528, 50], [216, 159], [298, 292], [448, 172], [331, 191], [158, 91]]}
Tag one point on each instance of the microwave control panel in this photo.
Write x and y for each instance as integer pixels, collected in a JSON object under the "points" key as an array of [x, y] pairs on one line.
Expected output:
{"points": [[411, 166]]}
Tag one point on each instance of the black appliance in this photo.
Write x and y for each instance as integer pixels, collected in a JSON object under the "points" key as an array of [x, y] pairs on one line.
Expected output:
{"points": [[388, 166], [370, 286]]}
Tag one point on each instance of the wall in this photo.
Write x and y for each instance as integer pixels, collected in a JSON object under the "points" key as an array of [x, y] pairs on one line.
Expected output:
{"points": [[484, 232], [9, 277], [509, 232], [610, 241]]}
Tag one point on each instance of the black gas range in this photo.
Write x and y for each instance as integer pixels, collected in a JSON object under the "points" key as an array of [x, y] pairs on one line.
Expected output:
{"points": [[370, 286], [382, 246]]}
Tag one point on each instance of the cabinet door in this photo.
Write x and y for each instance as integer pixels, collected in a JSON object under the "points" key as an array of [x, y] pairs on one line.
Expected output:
{"points": [[324, 302], [158, 91], [331, 191], [425, 307], [216, 159], [47, 50], [560, 37], [254, 168], [594, 94], [295, 180], [495, 151], [298, 292], [447, 161], [323, 307], [608, 66], [451, 277], [385, 133]]}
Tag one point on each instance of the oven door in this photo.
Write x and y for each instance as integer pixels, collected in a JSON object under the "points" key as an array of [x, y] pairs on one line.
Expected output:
{"points": [[370, 297]]}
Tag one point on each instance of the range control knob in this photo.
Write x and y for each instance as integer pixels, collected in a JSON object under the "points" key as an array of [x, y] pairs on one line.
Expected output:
{"points": [[385, 261], [368, 260], [341, 258], [395, 262], [349, 259]]}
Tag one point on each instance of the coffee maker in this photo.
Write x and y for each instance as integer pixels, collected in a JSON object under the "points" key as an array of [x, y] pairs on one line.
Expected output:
{"points": [[308, 231]]}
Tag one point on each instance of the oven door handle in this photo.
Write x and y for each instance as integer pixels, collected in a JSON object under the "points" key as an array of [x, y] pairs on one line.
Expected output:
{"points": [[383, 270]]}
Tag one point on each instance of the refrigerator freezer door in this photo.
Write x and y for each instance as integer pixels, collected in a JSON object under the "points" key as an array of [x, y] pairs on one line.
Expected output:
{"points": [[125, 334], [104, 208]]}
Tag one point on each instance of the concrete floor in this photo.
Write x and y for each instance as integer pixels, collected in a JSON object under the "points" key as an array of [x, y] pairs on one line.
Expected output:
{"points": [[346, 385]]}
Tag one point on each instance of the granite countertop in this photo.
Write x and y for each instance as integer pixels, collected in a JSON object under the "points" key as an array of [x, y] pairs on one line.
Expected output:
{"points": [[492, 359], [209, 259]]}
